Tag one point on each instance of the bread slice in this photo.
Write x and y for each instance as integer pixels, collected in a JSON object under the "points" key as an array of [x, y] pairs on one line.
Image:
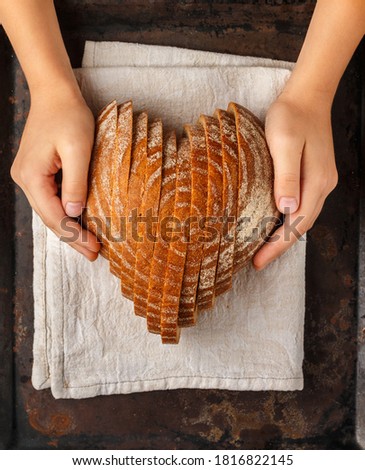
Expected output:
{"points": [[214, 213], [135, 193], [149, 210], [255, 187], [96, 216], [198, 208], [170, 331], [223, 280], [166, 211], [270, 215], [119, 182]]}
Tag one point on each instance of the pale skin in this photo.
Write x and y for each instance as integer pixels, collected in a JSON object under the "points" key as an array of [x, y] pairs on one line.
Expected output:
{"points": [[60, 128]]}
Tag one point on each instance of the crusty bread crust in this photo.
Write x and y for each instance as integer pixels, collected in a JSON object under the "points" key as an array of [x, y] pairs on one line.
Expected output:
{"points": [[97, 213], [134, 201], [149, 210], [227, 125], [170, 331], [214, 212], [119, 184], [212, 190], [166, 209], [194, 253], [256, 203]]}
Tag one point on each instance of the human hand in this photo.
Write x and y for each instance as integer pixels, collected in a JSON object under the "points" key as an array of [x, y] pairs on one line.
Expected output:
{"points": [[59, 133], [299, 136]]}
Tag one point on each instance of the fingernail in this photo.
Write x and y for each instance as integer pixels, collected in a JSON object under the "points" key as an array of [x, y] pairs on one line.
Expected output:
{"points": [[73, 209], [288, 205]]}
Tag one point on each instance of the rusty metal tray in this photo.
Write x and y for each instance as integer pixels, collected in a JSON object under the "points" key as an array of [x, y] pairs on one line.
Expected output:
{"points": [[323, 415]]}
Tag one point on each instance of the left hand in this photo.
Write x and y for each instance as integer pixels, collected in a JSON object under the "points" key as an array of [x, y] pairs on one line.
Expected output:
{"points": [[59, 133], [299, 136]]}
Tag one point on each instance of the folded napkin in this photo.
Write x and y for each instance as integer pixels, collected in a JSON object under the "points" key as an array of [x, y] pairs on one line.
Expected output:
{"points": [[87, 339]]}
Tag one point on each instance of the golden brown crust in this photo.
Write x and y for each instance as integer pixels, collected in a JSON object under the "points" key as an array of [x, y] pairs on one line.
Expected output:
{"points": [[119, 181], [149, 210], [227, 126], [166, 211], [135, 191], [221, 167], [170, 331], [214, 213], [96, 216], [198, 208], [256, 209]]}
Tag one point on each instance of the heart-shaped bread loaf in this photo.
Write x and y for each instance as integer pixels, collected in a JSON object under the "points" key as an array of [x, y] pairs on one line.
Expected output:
{"points": [[178, 218]]}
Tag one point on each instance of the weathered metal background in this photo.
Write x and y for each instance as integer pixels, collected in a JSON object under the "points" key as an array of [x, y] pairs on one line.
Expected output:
{"points": [[6, 247], [321, 416]]}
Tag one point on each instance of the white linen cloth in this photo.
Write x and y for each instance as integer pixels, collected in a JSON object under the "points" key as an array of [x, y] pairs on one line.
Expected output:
{"points": [[87, 340]]}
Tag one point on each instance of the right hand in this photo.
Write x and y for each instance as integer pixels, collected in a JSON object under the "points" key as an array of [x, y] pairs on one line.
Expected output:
{"points": [[59, 133], [301, 145]]}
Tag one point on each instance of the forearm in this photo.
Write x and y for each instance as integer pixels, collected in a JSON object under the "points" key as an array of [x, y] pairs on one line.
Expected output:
{"points": [[335, 31], [33, 30]]}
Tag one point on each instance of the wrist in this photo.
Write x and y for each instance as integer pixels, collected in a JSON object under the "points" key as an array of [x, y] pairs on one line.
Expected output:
{"points": [[65, 88], [308, 96]]}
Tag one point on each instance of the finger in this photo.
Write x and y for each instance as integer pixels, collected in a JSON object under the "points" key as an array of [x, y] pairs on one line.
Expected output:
{"points": [[50, 209], [75, 236], [294, 226], [68, 224], [286, 152], [75, 168], [281, 241]]}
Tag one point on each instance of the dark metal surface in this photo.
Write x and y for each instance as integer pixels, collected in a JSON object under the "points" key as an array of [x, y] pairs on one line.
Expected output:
{"points": [[360, 385], [6, 248], [321, 416]]}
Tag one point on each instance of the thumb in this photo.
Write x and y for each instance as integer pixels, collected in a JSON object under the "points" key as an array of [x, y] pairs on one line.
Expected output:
{"points": [[75, 168], [287, 155]]}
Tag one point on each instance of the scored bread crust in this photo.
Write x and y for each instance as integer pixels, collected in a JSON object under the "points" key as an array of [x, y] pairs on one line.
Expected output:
{"points": [[221, 163], [149, 210], [198, 208], [261, 152], [170, 331], [119, 182], [166, 210], [135, 192], [246, 171], [214, 212], [96, 216], [255, 195], [230, 179]]}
